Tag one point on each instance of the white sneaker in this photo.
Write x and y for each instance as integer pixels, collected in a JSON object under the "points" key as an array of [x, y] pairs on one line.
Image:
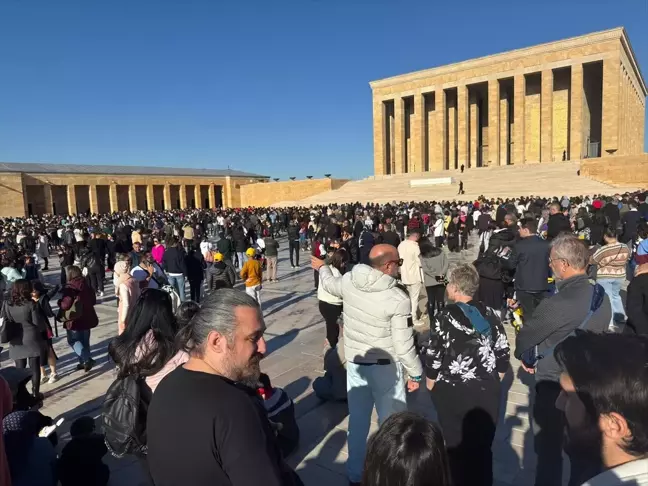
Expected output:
{"points": [[53, 378], [101, 294], [43, 379]]}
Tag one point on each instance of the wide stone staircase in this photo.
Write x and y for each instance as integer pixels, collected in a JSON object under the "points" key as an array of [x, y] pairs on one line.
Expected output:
{"points": [[550, 179]]}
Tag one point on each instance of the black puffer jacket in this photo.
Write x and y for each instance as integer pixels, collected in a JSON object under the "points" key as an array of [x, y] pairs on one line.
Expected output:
{"points": [[220, 275]]}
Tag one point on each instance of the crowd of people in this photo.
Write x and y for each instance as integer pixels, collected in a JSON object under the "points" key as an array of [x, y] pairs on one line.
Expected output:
{"points": [[190, 399]]}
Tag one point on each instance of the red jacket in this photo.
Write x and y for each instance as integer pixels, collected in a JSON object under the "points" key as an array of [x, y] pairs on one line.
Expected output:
{"points": [[79, 287]]}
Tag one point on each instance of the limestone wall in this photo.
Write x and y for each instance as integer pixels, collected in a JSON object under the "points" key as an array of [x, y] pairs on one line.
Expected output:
{"points": [[629, 170], [269, 193], [12, 196]]}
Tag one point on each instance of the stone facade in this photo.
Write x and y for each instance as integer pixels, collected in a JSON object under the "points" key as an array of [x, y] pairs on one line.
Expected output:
{"points": [[56, 192], [623, 170], [571, 99], [268, 194]]}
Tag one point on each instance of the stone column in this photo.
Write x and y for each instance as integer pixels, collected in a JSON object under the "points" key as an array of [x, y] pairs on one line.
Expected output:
{"points": [[610, 109], [546, 116], [576, 113], [399, 135], [183, 196], [474, 129], [198, 196], [441, 135], [212, 196], [493, 122], [417, 132], [114, 202], [504, 128], [378, 136], [462, 126], [92, 196], [167, 197], [518, 118], [71, 197], [132, 198], [49, 200], [150, 197]]}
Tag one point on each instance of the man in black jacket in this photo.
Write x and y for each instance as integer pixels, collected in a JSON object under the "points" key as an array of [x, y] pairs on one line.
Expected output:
{"points": [[630, 222], [611, 212], [530, 260], [558, 222], [293, 243]]}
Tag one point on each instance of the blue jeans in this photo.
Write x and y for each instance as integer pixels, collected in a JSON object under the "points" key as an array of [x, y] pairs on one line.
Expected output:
{"points": [[178, 283], [369, 385], [242, 258], [79, 341], [612, 288]]}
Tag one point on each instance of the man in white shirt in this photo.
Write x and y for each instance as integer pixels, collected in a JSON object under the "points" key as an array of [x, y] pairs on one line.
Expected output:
{"points": [[411, 275], [604, 394]]}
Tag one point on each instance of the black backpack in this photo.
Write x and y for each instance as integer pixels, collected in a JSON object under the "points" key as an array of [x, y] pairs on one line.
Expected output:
{"points": [[124, 415]]}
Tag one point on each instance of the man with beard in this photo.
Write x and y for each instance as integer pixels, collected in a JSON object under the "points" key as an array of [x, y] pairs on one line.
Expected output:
{"points": [[554, 319], [205, 424], [604, 383]]}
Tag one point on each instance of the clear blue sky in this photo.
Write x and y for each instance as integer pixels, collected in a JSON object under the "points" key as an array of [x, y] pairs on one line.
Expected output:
{"points": [[273, 87]]}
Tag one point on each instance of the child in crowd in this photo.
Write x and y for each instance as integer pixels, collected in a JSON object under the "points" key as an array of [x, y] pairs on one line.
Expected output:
{"points": [[81, 459], [281, 412]]}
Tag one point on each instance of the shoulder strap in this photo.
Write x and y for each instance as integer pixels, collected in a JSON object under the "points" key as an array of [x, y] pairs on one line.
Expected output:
{"points": [[477, 320], [598, 294]]}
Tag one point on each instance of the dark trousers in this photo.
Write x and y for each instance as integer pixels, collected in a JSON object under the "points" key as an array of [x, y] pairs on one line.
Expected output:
{"points": [[316, 278], [46, 262], [438, 241], [330, 313], [529, 301], [95, 279], [294, 247], [468, 416], [436, 298], [194, 290], [548, 428], [34, 366], [63, 279]]}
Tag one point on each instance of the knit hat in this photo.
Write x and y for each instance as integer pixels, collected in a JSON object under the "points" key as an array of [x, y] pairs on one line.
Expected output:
{"points": [[597, 204]]}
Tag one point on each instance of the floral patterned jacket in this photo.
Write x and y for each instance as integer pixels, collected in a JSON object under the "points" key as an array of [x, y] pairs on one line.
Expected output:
{"points": [[457, 353]]}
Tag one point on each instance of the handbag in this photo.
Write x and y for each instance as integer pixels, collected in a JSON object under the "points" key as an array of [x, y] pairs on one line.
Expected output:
{"points": [[8, 328]]}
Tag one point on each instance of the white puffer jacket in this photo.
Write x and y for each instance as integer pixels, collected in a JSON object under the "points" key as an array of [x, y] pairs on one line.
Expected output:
{"points": [[376, 314]]}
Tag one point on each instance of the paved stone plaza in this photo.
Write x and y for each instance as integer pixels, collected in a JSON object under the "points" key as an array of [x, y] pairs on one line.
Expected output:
{"points": [[295, 335]]}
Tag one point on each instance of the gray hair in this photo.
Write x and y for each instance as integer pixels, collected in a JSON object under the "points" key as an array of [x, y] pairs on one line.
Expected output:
{"points": [[217, 313], [465, 279], [569, 248]]}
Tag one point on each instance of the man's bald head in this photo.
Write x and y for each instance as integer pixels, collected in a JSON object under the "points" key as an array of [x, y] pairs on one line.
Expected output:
{"points": [[385, 258]]}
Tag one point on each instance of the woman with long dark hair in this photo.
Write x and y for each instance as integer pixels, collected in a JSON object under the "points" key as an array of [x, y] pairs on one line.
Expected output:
{"points": [[407, 449], [27, 329], [330, 306], [147, 347]]}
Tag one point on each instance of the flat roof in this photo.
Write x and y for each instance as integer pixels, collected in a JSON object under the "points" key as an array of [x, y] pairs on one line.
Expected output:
{"points": [[616, 33], [35, 168]]}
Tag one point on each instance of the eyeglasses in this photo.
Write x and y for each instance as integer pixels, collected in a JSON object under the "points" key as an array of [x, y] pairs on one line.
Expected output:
{"points": [[398, 262], [551, 260]]}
